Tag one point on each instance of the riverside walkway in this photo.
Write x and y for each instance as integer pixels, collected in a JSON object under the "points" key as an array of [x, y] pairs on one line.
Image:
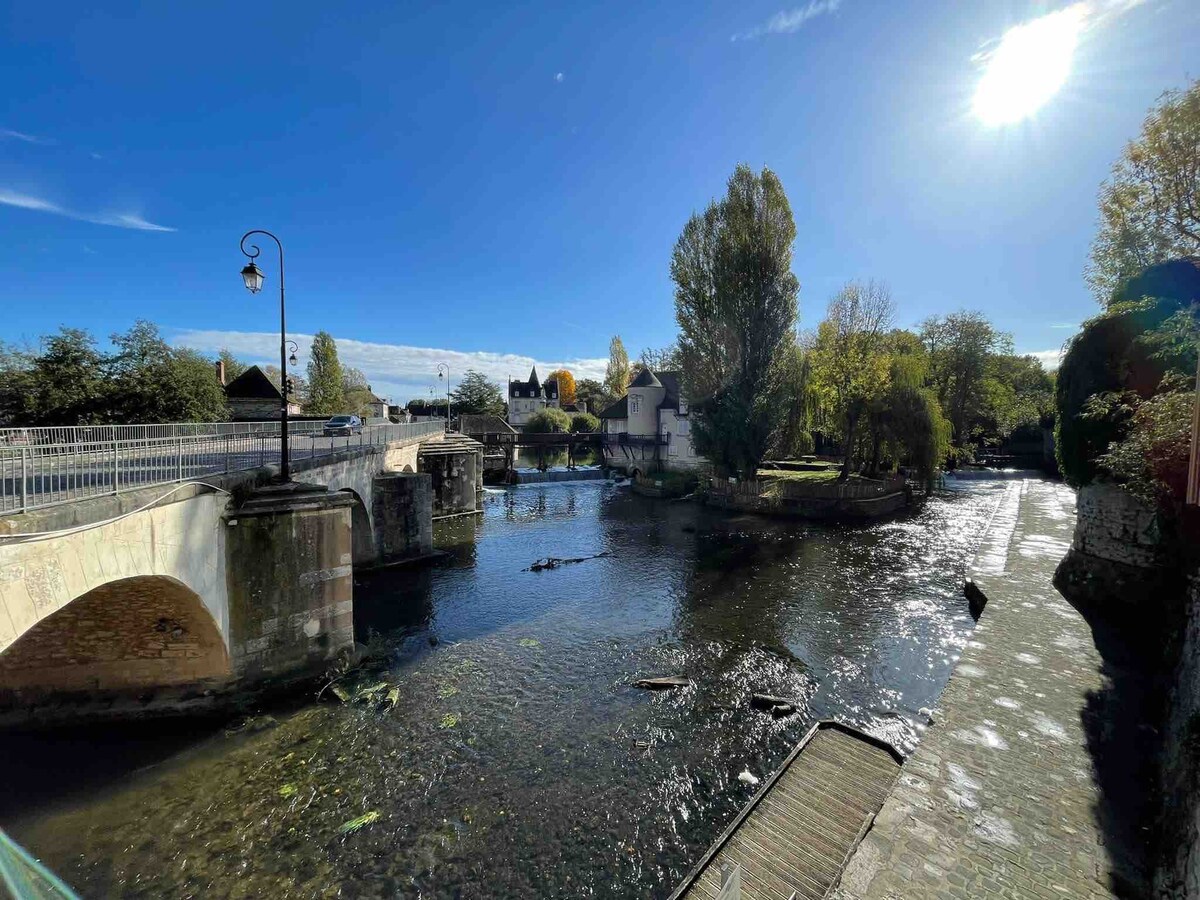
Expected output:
{"points": [[1014, 790]]}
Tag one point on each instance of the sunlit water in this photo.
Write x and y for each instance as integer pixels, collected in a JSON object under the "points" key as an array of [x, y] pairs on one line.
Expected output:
{"points": [[518, 760]]}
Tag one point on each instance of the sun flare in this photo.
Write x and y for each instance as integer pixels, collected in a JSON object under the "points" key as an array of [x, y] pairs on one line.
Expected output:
{"points": [[1029, 67]]}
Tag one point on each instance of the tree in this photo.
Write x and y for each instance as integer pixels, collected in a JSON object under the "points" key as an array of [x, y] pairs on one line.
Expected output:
{"points": [[800, 402], [851, 365], [476, 395], [665, 359], [67, 382], [617, 375], [1149, 209], [594, 394], [357, 392], [16, 386], [584, 423], [233, 366], [149, 381], [735, 302], [566, 385], [548, 421], [326, 390], [961, 346]]}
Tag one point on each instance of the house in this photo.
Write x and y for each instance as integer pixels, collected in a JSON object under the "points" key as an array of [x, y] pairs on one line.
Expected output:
{"points": [[648, 429], [252, 397], [376, 407], [527, 398]]}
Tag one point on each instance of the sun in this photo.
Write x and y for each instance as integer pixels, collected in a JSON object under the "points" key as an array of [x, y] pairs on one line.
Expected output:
{"points": [[1029, 66]]}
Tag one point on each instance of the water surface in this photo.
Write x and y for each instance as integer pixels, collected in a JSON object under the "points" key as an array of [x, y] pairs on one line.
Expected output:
{"points": [[518, 760]]}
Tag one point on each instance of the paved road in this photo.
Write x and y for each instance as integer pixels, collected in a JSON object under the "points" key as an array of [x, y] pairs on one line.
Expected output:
{"points": [[1028, 783]]}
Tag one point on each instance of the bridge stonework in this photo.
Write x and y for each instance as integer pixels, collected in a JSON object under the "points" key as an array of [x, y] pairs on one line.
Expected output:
{"points": [[200, 596]]}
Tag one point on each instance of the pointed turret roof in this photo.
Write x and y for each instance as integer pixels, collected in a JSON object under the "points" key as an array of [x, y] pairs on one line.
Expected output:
{"points": [[645, 378], [533, 379]]}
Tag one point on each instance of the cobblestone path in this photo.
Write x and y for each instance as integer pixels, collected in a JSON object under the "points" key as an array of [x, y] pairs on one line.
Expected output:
{"points": [[1002, 798]]}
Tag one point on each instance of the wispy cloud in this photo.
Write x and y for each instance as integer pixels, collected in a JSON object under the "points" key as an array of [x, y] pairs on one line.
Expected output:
{"points": [[558, 76], [399, 371], [1090, 13], [1064, 325], [1049, 359], [116, 220], [789, 21], [9, 134]]}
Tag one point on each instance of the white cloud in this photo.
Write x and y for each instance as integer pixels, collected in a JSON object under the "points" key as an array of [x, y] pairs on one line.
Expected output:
{"points": [[398, 371], [117, 220], [1070, 325], [558, 76], [789, 21], [22, 136], [1092, 14], [1049, 359]]}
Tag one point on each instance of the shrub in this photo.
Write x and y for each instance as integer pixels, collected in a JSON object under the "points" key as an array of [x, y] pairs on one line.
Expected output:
{"points": [[584, 423], [549, 421]]}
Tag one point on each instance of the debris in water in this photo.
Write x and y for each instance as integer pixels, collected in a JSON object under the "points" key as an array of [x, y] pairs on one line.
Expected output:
{"points": [[449, 720], [747, 777], [340, 692], [361, 822], [662, 684], [553, 562], [447, 690], [529, 642], [776, 706], [287, 790]]}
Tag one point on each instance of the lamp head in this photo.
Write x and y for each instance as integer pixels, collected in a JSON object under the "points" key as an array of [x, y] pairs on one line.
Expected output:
{"points": [[253, 277]]}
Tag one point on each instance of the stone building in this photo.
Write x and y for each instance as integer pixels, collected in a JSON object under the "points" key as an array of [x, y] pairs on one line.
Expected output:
{"points": [[527, 398], [648, 430], [252, 397]]}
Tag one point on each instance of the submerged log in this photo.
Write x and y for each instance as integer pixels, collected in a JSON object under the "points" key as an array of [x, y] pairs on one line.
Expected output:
{"points": [[553, 562], [776, 706], [663, 684]]}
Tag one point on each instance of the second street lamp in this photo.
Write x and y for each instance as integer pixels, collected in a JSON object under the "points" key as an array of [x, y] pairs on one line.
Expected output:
{"points": [[447, 368], [253, 278]]}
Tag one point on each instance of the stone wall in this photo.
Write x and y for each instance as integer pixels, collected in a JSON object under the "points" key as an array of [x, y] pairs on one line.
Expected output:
{"points": [[1178, 874], [403, 515], [1113, 524], [133, 633]]}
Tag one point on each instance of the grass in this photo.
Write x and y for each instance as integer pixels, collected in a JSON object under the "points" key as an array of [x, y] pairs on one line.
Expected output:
{"points": [[827, 476]]}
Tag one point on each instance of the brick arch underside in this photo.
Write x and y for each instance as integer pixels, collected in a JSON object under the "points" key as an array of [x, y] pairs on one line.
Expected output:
{"points": [[134, 633]]}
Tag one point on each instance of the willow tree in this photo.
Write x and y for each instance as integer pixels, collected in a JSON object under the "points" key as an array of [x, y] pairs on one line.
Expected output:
{"points": [[735, 302], [850, 359]]}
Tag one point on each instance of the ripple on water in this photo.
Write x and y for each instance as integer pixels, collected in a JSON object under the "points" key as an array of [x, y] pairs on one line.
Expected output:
{"points": [[517, 759]]}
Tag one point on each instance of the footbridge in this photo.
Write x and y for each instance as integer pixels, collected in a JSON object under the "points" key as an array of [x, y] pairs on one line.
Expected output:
{"points": [[157, 568]]}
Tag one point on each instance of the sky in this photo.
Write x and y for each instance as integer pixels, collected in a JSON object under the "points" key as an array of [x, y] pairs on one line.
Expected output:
{"points": [[493, 186]]}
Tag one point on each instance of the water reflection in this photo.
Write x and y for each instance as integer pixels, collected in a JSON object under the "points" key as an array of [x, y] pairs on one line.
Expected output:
{"points": [[518, 761]]}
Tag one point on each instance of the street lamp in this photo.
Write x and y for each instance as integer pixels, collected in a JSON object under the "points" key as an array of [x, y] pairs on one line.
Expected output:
{"points": [[294, 347], [253, 277], [447, 368]]}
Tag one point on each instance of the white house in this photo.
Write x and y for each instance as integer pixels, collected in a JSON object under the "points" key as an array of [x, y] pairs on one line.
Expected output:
{"points": [[648, 429], [525, 398]]}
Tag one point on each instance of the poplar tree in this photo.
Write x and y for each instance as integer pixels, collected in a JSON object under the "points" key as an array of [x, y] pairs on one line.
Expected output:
{"points": [[617, 375], [326, 389]]}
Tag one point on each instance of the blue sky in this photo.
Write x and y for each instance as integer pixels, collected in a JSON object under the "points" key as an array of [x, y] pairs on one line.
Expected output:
{"points": [[495, 186]]}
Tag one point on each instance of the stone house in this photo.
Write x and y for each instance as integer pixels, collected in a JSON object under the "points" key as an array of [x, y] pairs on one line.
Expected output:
{"points": [[648, 430], [527, 398], [252, 397]]}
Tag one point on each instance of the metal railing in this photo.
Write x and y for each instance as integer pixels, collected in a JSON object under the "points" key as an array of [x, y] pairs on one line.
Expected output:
{"points": [[94, 434], [37, 475]]}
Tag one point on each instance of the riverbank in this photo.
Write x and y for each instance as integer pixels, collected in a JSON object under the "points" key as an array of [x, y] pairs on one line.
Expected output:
{"points": [[1032, 780]]}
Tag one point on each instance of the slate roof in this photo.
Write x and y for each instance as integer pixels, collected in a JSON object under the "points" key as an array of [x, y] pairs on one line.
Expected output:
{"points": [[253, 384], [645, 378], [618, 410], [670, 381]]}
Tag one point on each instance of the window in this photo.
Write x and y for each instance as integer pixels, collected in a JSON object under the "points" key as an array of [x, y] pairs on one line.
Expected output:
{"points": [[635, 404], [683, 426]]}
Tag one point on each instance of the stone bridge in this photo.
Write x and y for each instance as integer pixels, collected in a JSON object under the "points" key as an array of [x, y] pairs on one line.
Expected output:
{"points": [[166, 598]]}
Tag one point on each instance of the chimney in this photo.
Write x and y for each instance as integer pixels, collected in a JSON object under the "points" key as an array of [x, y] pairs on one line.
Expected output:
{"points": [[221, 372]]}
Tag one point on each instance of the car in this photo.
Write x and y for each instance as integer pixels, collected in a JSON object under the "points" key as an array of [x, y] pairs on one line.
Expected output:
{"points": [[342, 425]]}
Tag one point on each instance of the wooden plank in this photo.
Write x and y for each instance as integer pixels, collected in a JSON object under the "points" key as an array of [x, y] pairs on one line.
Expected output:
{"points": [[798, 831]]}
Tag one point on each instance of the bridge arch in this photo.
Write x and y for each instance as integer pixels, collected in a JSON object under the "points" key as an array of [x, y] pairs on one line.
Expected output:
{"points": [[124, 635], [362, 533]]}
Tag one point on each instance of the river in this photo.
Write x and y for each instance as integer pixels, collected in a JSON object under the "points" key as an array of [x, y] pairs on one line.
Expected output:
{"points": [[517, 760]]}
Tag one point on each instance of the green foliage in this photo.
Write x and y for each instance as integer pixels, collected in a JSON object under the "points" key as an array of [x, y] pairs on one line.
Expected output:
{"points": [[618, 374], [962, 349], [594, 394], [850, 360], [1109, 355], [1148, 207], [326, 388], [735, 302], [549, 421], [477, 396], [800, 401], [584, 423], [233, 366], [1151, 458], [665, 359]]}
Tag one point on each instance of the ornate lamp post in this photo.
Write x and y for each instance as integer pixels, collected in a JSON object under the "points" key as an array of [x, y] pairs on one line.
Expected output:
{"points": [[447, 368], [253, 277]]}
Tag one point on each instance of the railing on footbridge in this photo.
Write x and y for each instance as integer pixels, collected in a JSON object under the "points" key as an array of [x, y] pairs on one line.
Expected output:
{"points": [[42, 467]]}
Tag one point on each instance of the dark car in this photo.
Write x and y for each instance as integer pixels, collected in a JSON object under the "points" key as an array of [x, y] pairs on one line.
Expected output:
{"points": [[342, 425]]}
